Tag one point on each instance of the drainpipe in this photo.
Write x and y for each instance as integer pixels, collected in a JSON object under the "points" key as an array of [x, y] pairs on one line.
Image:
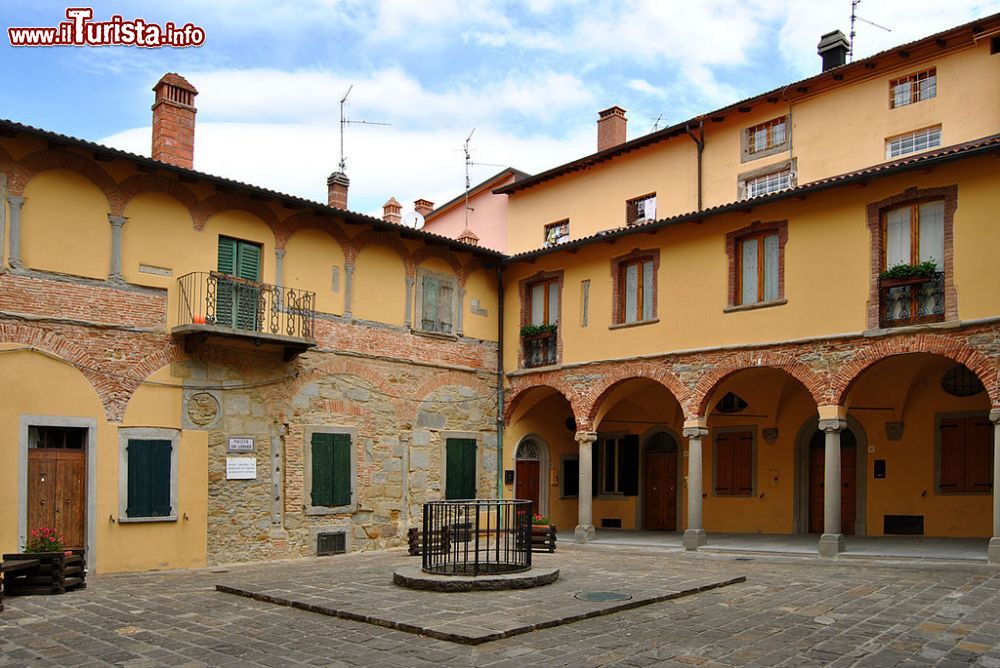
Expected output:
{"points": [[699, 141], [499, 381]]}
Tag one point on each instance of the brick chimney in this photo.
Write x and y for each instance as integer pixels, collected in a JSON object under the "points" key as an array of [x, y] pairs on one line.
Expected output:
{"points": [[336, 190], [173, 121], [423, 206], [611, 125], [833, 48], [468, 237], [392, 211]]}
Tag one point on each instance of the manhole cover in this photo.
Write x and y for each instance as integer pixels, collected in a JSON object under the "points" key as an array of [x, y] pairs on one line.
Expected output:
{"points": [[603, 596], [742, 558]]}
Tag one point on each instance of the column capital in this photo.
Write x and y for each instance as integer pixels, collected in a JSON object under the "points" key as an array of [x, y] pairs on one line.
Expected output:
{"points": [[695, 432], [995, 415], [833, 425], [15, 200], [831, 412], [585, 437], [116, 221], [410, 280], [279, 252], [348, 267]]}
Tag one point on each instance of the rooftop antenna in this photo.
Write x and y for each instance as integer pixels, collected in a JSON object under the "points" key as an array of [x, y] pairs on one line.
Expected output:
{"points": [[855, 17], [344, 121], [468, 183], [656, 123]]}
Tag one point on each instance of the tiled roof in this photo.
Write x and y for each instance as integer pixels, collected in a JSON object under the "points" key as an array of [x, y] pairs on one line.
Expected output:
{"points": [[970, 149], [835, 76], [474, 190]]}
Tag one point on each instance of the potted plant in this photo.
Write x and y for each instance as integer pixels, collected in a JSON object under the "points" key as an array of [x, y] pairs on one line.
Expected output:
{"points": [[528, 331], [908, 274], [543, 534]]}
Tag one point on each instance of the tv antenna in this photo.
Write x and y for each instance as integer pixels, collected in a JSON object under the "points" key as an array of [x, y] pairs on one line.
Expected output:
{"points": [[344, 121], [656, 123], [469, 162], [855, 17]]}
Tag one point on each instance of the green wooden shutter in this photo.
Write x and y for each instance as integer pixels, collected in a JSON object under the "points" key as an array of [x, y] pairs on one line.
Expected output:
{"points": [[460, 471], [952, 464], [148, 478], [628, 466], [429, 307], [248, 261], [322, 469], [445, 302], [341, 492], [723, 457], [743, 463], [227, 255]]}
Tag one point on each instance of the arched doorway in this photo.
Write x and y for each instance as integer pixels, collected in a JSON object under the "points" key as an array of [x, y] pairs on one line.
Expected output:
{"points": [[659, 491], [530, 473], [811, 468]]}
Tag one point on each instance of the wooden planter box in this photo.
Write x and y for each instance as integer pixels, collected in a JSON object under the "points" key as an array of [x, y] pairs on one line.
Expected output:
{"points": [[50, 572], [543, 537]]}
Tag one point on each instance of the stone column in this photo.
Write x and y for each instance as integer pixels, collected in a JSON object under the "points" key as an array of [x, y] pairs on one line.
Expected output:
{"points": [[994, 548], [16, 202], [117, 224], [694, 535], [585, 522], [831, 543], [459, 329], [348, 287], [279, 268], [408, 318]]}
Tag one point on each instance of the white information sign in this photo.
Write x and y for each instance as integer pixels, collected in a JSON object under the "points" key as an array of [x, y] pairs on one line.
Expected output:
{"points": [[241, 444], [241, 468]]}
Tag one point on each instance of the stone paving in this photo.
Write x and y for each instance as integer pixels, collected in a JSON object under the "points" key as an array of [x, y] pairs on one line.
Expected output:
{"points": [[789, 612]]}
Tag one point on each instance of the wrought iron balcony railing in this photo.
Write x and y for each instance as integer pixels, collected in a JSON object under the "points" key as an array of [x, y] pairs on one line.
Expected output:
{"points": [[238, 306], [539, 349], [911, 301]]}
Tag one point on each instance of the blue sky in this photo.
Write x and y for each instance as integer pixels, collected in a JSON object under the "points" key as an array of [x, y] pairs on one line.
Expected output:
{"points": [[528, 76]]}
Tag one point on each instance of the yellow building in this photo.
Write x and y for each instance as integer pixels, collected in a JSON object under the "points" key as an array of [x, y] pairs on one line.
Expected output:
{"points": [[779, 317]]}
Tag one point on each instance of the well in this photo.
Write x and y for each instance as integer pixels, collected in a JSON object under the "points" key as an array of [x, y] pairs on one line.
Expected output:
{"points": [[476, 537]]}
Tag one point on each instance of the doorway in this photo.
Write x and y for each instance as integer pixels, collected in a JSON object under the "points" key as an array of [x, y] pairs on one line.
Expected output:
{"points": [[659, 510], [848, 481], [530, 465], [56, 482]]}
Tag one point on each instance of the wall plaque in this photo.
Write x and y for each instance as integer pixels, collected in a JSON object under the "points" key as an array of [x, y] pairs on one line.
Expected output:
{"points": [[241, 468], [240, 444]]}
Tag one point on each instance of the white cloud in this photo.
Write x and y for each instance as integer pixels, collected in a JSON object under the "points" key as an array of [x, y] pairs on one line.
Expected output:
{"points": [[643, 86]]}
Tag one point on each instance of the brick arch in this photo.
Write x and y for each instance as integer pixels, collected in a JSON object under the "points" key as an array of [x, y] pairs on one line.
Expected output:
{"points": [[137, 375], [362, 371], [594, 396], [141, 184], [935, 344], [307, 220], [427, 252], [35, 163], [516, 393], [470, 267], [220, 202], [452, 379], [815, 384], [368, 237], [53, 345]]}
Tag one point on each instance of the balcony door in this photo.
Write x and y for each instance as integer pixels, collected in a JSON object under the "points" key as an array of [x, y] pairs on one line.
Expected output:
{"points": [[238, 294]]}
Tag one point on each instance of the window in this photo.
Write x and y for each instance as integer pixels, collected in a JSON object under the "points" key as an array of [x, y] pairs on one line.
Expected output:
{"points": [[731, 403], [557, 233], [913, 88], [570, 477], [148, 484], [540, 315], [585, 302], [961, 381], [640, 209], [765, 139], [733, 459], [913, 142], [238, 298], [767, 183], [758, 273], [913, 234], [330, 468], [966, 455], [460, 471], [636, 291], [616, 465], [543, 302], [436, 302]]}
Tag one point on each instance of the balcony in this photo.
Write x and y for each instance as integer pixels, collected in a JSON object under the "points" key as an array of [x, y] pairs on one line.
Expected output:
{"points": [[539, 349], [911, 301], [215, 305]]}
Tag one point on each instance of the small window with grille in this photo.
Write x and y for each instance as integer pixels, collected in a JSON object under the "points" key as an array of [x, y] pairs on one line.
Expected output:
{"points": [[960, 381], [913, 88], [640, 210]]}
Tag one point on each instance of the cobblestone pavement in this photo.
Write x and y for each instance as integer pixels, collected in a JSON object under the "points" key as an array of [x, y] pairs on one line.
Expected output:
{"points": [[789, 612]]}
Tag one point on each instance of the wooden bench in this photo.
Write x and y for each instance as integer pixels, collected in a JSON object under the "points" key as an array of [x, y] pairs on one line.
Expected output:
{"points": [[413, 539], [9, 570]]}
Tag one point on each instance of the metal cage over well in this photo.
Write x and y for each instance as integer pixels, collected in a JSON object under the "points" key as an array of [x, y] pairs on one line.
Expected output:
{"points": [[476, 537]]}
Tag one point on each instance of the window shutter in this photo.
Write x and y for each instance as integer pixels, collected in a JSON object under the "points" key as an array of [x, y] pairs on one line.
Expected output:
{"points": [[631, 295], [460, 454], [138, 480], [749, 275], [723, 456], [322, 469], [932, 233], [553, 304], [446, 300], [538, 304], [952, 469], [248, 261], [897, 237], [978, 455], [628, 466], [148, 478], [647, 290], [771, 267], [743, 463], [429, 308], [227, 256], [341, 492]]}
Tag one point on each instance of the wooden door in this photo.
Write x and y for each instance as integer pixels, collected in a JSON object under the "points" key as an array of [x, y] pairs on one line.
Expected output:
{"points": [[848, 482], [527, 486], [56, 493], [660, 491]]}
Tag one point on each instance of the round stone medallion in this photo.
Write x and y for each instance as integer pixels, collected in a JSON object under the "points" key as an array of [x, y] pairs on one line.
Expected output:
{"points": [[202, 408]]}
